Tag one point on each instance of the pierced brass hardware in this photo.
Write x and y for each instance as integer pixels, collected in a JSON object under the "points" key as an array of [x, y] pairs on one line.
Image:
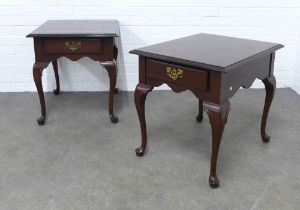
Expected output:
{"points": [[73, 45], [174, 73]]}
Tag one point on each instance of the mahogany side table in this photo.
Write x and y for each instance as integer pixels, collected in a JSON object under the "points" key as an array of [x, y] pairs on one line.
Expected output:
{"points": [[75, 39], [212, 67]]}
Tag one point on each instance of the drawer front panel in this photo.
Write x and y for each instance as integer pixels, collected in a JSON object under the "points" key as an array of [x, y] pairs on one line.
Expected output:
{"points": [[72, 46], [195, 79]]}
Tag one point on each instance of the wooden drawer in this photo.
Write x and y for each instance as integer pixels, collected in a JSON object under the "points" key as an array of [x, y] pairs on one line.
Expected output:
{"points": [[72, 46], [187, 77]]}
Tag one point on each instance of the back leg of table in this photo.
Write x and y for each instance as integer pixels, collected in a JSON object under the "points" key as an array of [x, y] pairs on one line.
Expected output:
{"points": [[199, 117], [115, 55], [55, 68]]}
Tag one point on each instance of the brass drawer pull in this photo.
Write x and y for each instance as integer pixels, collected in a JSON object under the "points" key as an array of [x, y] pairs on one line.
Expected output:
{"points": [[174, 73], [73, 45]]}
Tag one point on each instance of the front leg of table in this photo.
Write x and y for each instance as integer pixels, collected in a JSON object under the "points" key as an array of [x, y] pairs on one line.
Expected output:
{"points": [[199, 117], [217, 114], [140, 94], [38, 68], [111, 68], [270, 86], [56, 91]]}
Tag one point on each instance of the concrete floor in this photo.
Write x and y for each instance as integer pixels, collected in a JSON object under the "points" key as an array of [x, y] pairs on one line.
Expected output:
{"points": [[79, 160]]}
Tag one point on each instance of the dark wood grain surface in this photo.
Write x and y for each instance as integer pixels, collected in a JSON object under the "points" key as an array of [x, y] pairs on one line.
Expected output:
{"points": [[213, 52], [75, 39], [77, 28], [213, 68]]}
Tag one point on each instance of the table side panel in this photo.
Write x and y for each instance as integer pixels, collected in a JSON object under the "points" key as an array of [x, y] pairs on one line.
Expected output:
{"points": [[38, 49], [245, 75], [142, 70]]}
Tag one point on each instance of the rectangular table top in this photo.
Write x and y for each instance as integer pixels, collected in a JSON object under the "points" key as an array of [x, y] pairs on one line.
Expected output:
{"points": [[212, 52], [77, 28]]}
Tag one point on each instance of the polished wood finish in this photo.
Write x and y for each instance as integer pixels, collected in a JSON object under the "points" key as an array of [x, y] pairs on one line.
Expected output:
{"points": [[77, 28], [200, 51], [75, 39], [213, 68]]}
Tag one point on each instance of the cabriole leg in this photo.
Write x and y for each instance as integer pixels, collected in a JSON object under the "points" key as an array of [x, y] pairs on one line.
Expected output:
{"points": [[37, 76], [270, 86], [199, 117], [140, 95], [217, 114], [55, 68], [111, 68]]}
